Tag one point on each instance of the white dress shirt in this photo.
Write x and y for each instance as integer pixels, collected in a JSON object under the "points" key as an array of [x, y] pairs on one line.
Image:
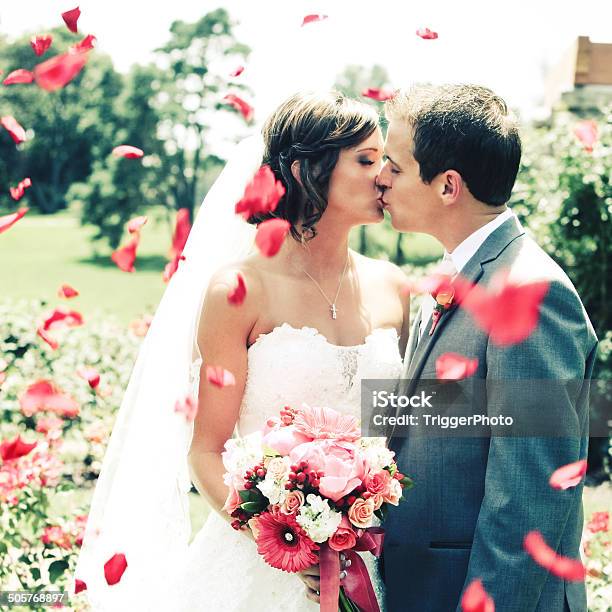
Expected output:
{"points": [[461, 255]]}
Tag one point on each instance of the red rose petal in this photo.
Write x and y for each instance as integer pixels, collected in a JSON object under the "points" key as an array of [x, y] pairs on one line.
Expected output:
{"points": [[236, 296], [61, 317], [476, 599], [87, 44], [261, 195], [220, 377], [66, 291], [128, 151], [426, 34], [542, 554], [244, 108], [508, 315], [54, 344], [79, 585], [586, 132], [380, 95], [237, 71], [453, 366], [71, 18], [125, 256], [568, 475], [58, 71], [18, 192], [11, 125], [271, 235], [19, 76], [41, 43], [91, 375], [188, 406], [15, 449], [313, 19], [114, 568], [136, 223], [8, 221]]}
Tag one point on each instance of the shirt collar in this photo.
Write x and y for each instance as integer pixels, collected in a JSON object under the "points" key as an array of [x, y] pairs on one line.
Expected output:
{"points": [[464, 252]]}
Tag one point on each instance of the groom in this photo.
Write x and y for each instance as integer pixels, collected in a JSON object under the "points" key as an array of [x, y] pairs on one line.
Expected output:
{"points": [[452, 156]]}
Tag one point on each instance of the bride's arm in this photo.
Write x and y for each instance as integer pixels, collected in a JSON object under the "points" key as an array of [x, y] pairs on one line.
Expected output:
{"points": [[222, 338]]}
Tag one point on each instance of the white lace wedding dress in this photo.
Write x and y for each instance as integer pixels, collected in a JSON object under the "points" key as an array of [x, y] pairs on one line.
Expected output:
{"points": [[287, 366]]}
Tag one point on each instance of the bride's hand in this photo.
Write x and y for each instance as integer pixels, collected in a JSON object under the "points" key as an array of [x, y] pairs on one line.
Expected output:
{"points": [[311, 577]]}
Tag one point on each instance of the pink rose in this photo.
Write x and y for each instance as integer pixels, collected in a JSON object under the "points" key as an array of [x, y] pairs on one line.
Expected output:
{"points": [[340, 477], [361, 513], [233, 500], [378, 482], [284, 439], [394, 494], [294, 500], [344, 537]]}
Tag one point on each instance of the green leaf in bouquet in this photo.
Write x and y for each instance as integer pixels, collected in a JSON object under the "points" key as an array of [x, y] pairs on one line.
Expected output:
{"points": [[407, 483], [392, 469], [250, 495], [254, 507], [56, 569]]}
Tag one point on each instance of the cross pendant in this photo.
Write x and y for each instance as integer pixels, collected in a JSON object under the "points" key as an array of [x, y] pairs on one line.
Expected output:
{"points": [[334, 312]]}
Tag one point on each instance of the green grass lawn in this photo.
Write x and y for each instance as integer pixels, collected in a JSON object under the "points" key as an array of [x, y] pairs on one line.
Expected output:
{"points": [[41, 252]]}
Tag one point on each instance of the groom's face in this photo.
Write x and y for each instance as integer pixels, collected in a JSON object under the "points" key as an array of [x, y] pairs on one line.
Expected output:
{"points": [[414, 206]]}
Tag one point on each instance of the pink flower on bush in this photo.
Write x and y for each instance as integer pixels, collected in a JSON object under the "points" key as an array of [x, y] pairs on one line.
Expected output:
{"points": [[320, 423], [599, 522], [345, 536], [55, 535]]}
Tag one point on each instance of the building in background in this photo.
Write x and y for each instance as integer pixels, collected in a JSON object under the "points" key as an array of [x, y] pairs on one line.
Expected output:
{"points": [[581, 82]]}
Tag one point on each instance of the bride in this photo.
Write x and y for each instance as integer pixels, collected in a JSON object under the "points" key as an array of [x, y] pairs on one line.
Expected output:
{"points": [[317, 318]]}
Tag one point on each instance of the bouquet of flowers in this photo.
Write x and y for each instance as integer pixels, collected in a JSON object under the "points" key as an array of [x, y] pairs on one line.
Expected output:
{"points": [[309, 487]]}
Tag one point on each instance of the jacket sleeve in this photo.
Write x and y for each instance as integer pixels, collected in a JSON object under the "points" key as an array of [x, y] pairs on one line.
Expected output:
{"points": [[517, 497]]}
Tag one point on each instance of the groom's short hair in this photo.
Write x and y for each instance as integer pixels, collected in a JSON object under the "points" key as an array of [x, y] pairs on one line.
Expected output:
{"points": [[466, 128]]}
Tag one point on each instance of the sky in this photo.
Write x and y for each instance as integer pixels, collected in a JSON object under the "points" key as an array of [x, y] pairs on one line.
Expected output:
{"points": [[506, 46]]}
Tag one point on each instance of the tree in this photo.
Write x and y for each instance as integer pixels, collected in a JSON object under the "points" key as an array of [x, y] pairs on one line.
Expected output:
{"points": [[69, 128]]}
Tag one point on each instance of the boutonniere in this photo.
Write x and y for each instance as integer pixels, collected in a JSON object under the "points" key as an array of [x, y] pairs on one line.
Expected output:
{"points": [[444, 296]]}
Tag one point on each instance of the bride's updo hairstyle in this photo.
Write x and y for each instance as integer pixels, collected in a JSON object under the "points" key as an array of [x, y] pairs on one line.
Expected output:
{"points": [[312, 128]]}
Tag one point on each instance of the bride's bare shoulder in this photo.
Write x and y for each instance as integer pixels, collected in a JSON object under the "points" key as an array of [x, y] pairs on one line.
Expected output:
{"points": [[380, 269]]}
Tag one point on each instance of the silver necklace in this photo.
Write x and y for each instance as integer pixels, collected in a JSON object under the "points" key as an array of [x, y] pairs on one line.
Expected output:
{"points": [[332, 305]]}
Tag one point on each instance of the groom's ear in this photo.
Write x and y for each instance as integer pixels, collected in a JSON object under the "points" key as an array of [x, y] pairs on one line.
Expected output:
{"points": [[452, 186]]}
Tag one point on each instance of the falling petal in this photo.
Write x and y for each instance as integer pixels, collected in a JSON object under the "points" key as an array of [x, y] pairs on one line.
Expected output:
{"points": [[313, 19], [87, 44], [11, 125], [426, 34], [586, 132], [125, 256], [237, 71], [453, 366], [380, 95], [19, 76], [79, 585], [568, 475], [271, 235], [114, 568], [188, 406], [66, 291], [261, 195], [15, 449], [128, 151], [7, 221], [58, 71], [136, 223], [41, 43], [71, 18], [476, 599], [61, 317], [558, 565], [244, 108], [236, 296], [91, 375], [220, 377], [54, 344]]}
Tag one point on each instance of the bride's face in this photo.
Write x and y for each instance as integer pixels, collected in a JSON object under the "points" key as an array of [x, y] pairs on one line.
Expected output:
{"points": [[352, 185]]}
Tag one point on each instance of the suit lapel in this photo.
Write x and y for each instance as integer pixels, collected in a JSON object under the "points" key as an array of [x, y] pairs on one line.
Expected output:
{"points": [[472, 271]]}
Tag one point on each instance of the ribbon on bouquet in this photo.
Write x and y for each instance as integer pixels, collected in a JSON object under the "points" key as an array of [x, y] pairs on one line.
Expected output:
{"points": [[357, 584]]}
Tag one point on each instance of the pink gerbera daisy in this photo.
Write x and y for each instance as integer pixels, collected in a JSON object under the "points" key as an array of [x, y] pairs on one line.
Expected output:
{"points": [[283, 543], [325, 423]]}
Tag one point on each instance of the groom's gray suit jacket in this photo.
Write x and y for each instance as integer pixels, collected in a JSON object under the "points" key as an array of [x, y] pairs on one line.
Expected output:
{"points": [[475, 498]]}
